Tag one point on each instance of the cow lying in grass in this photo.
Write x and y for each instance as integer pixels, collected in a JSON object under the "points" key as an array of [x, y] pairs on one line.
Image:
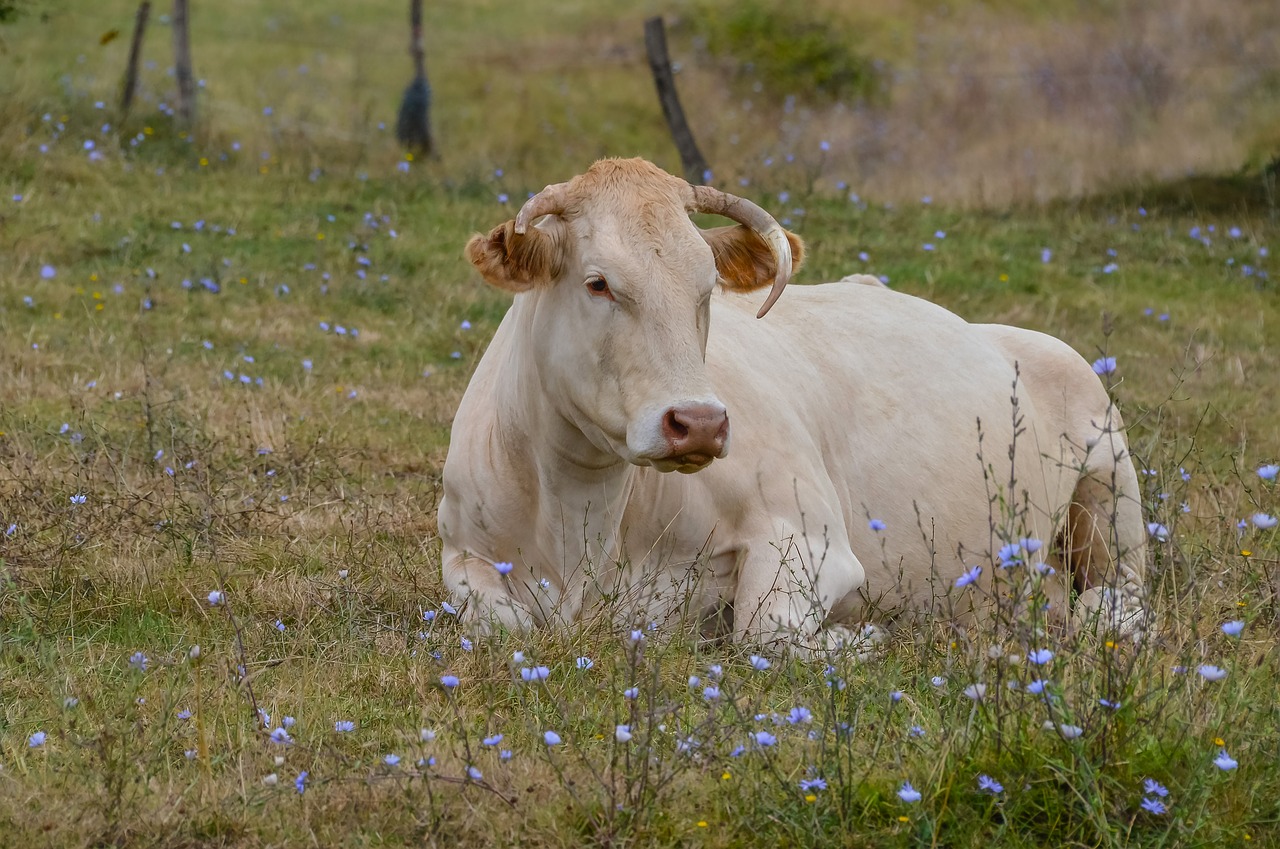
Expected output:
{"points": [[867, 472]]}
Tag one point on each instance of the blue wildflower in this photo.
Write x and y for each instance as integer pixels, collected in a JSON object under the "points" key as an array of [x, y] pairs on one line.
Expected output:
{"points": [[1209, 672], [799, 716], [968, 577], [909, 794], [989, 784], [534, 673], [1154, 806], [300, 783]]}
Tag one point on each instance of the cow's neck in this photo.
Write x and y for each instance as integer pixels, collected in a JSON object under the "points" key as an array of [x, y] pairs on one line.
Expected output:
{"points": [[580, 492]]}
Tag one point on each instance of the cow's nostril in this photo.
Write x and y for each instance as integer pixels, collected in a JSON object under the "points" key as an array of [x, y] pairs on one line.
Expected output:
{"points": [[673, 428]]}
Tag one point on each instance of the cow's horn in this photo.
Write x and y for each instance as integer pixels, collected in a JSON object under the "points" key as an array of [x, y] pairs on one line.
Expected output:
{"points": [[549, 201], [716, 202]]}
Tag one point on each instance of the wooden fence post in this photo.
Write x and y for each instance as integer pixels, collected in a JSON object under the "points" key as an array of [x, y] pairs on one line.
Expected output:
{"points": [[182, 65], [695, 166], [135, 54]]}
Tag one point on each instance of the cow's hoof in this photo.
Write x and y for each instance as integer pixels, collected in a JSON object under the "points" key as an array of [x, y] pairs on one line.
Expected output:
{"points": [[861, 642], [484, 620], [1103, 609]]}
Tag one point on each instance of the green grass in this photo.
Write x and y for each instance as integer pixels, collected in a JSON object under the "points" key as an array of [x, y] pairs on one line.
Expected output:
{"points": [[310, 499]]}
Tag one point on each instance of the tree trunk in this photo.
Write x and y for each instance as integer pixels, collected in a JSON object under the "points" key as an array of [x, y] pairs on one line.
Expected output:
{"points": [[415, 43], [413, 123]]}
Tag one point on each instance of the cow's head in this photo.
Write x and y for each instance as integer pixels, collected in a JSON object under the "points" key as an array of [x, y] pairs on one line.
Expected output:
{"points": [[621, 280]]}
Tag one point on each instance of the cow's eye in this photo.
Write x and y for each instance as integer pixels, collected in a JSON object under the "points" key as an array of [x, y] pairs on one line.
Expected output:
{"points": [[599, 286]]}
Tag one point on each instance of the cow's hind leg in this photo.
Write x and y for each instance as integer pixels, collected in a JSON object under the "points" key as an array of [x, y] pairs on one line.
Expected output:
{"points": [[1104, 541]]}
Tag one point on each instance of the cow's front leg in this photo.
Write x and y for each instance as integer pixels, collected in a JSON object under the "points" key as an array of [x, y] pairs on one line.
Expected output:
{"points": [[786, 591], [485, 597]]}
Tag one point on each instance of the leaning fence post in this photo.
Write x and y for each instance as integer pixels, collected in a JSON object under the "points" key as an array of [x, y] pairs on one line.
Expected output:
{"points": [[655, 43], [135, 53], [182, 65]]}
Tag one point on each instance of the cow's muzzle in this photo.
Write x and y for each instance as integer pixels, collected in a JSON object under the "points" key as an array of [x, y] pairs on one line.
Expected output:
{"points": [[695, 434]]}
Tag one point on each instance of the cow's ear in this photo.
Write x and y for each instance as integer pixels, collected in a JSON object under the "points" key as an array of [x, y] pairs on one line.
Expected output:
{"points": [[517, 262], [743, 259]]}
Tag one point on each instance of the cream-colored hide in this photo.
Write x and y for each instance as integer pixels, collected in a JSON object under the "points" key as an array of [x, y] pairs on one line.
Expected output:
{"points": [[846, 403]]}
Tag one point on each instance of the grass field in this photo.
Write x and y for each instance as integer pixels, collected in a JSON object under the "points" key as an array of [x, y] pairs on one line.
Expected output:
{"points": [[229, 362]]}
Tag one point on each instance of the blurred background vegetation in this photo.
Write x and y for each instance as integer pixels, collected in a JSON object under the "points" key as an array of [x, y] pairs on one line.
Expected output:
{"points": [[978, 103]]}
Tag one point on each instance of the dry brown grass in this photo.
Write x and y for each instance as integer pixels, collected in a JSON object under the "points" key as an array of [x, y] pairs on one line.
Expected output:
{"points": [[991, 105]]}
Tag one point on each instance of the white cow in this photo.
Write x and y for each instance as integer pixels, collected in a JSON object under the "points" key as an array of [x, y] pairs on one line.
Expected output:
{"points": [[629, 349]]}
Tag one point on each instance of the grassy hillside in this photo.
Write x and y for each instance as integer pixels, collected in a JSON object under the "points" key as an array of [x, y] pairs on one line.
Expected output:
{"points": [[228, 363]]}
